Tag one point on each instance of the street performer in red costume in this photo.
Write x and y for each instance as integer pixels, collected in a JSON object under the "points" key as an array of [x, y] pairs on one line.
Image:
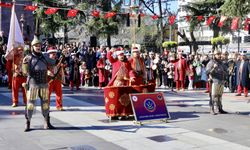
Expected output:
{"points": [[138, 66], [55, 74], [122, 73], [180, 67], [117, 103], [102, 72], [18, 77]]}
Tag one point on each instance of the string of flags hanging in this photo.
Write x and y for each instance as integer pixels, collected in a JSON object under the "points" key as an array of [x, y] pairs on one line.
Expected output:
{"points": [[171, 19]]}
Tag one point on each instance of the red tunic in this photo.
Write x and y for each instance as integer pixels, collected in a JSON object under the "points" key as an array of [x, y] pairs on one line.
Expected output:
{"points": [[139, 70], [180, 67], [116, 65], [103, 74]]}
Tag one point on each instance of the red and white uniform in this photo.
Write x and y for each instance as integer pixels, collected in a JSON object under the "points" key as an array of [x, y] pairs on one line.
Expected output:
{"points": [[121, 72], [55, 80], [18, 77]]}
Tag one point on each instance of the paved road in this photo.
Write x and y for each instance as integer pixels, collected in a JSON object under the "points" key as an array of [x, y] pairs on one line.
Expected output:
{"points": [[84, 124]]}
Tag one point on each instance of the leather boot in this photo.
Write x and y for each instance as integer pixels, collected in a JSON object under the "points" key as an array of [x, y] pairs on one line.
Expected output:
{"points": [[221, 111], [27, 126], [47, 124]]}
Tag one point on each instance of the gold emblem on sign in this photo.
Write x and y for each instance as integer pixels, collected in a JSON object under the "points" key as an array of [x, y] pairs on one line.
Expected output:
{"points": [[106, 100], [111, 107], [124, 100], [111, 94]]}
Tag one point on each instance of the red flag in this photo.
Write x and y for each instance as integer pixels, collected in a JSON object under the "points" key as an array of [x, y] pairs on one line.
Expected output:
{"points": [[110, 14], [7, 5], [72, 13], [222, 20], [51, 11], [142, 15], [171, 19], [188, 18], [246, 24], [210, 20], [96, 13], [30, 8], [200, 18], [234, 25], [154, 17]]}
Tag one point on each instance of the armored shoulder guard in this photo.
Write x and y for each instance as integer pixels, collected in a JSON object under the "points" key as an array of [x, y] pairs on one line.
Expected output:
{"points": [[27, 59]]}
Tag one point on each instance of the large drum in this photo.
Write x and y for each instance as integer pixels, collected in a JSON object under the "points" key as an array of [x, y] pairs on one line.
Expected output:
{"points": [[117, 102]]}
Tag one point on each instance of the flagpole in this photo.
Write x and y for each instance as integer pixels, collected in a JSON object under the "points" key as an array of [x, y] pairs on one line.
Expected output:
{"points": [[13, 28], [13, 36]]}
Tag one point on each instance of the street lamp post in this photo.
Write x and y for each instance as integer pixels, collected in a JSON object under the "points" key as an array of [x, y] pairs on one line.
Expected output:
{"points": [[238, 40], [70, 5], [134, 6]]}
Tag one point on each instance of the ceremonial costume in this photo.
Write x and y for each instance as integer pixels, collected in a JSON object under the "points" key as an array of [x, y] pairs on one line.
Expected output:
{"points": [[138, 66], [243, 76], [180, 67], [55, 74], [18, 77], [121, 71], [74, 77], [9, 72], [35, 66], [102, 72], [217, 74], [117, 101]]}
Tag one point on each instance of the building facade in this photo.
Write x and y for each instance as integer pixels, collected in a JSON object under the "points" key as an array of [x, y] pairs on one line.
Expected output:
{"points": [[28, 19], [204, 33]]}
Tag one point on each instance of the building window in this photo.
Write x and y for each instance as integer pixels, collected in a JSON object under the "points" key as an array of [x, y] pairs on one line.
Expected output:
{"points": [[235, 39], [247, 39]]}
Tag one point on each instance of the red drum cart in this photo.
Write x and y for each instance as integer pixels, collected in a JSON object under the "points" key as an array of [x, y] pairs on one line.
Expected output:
{"points": [[117, 102]]}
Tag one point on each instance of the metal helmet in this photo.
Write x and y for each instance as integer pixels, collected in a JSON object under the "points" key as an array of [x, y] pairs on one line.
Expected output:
{"points": [[35, 41]]}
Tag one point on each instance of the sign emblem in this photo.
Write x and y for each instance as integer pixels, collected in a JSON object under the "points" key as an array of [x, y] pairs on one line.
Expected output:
{"points": [[134, 98], [159, 97], [150, 105]]}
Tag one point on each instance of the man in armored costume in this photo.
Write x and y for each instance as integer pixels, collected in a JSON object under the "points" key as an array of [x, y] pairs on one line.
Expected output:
{"points": [[35, 66], [217, 73]]}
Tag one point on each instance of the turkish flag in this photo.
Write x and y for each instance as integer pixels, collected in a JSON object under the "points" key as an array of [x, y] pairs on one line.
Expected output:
{"points": [[200, 18], [210, 20], [96, 13], [234, 25], [246, 24], [51, 11], [171, 20], [154, 17], [222, 20], [188, 18], [30, 8], [142, 15], [7, 5], [72, 13], [110, 14]]}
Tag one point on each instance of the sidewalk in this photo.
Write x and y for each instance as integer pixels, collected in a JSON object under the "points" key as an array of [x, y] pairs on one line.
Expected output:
{"points": [[85, 123]]}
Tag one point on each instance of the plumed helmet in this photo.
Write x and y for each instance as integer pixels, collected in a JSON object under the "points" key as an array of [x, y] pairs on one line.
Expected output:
{"points": [[35, 41]]}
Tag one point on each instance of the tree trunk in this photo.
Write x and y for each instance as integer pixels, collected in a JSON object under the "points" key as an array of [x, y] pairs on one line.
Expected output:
{"points": [[216, 32], [195, 45], [161, 24], [184, 37], [109, 40]]}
